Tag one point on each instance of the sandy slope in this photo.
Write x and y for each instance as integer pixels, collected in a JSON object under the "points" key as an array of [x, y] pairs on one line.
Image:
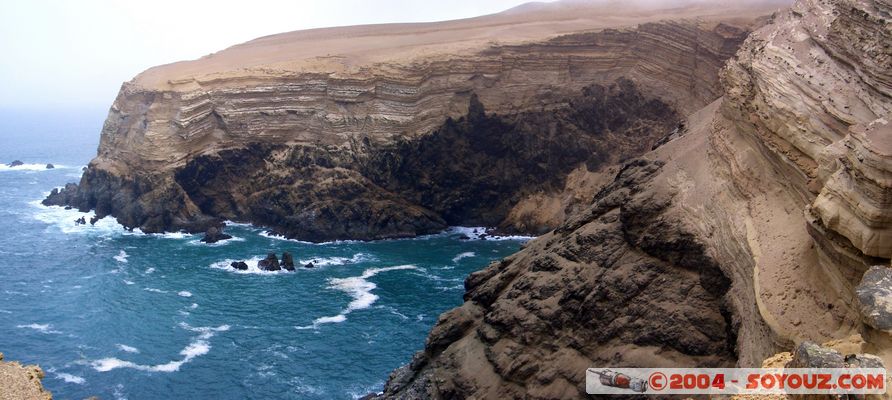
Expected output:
{"points": [[352, 48]]}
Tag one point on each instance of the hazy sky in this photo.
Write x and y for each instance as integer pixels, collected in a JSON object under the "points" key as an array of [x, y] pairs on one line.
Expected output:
{"points": [[77, 53]]}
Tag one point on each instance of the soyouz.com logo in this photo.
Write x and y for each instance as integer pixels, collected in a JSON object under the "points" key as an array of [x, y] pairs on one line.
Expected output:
{"points": [[667, 381]]}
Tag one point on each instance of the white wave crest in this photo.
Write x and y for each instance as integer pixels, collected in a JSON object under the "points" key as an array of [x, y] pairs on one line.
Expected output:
{"points": [[68, 377], [31, 167], [253, 267], [224, 242], [122, 256], [128, 349], [326, 261], [42, 328], [63, 220], [360, 289], [198, 347], [466, 254], [481, 233], [184, 293]]}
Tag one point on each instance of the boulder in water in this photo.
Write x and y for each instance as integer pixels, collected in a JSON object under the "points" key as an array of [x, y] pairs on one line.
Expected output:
{"points": [[287, 261], [50, 166], [80, 221], [94, 219], [270, 263], [15, 163], [240, 265], [214, 235], [309, 265]]}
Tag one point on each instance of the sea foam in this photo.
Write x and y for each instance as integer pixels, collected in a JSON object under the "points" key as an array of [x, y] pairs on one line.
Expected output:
{"points": [[359, 288], [198, 347], [466, 254]]}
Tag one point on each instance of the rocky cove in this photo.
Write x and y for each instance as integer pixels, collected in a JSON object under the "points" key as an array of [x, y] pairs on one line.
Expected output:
{"points": [[709, 190]]}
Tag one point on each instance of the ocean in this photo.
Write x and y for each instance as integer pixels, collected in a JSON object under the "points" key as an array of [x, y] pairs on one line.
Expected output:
{"points": [[125, 315]]}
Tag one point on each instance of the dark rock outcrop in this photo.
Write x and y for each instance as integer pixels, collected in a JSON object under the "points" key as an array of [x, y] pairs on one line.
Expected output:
{"points": [[50, 166], [15, 163], [214, 235], [240, 265], [616, 284], [80, 221], [270, 263], [309, 265], [287, 261]]}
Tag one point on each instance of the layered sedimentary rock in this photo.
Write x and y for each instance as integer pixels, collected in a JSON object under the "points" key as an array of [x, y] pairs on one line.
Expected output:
{"points": [[327, 144], [774, 203]]}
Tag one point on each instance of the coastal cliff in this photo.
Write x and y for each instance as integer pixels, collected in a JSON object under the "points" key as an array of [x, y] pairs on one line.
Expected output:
{"points": [[709, 190], [354, 146], [742, 238]]}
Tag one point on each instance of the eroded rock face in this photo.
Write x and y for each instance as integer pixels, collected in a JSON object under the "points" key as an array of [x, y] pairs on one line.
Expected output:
{"points": [[618, 284], [318, 155], [814, 88]]}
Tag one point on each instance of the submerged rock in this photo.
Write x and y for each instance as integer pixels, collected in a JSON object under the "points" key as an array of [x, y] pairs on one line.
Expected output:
{"points": [[287, 261], [214, 235], [270, 263], [875, 297], [15, 163], [240, 265]]}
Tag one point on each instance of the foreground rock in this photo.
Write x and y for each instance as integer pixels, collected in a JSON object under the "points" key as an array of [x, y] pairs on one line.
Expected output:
{"points": [[875, 297], [214, 235], [239, 265], [18, 382]]}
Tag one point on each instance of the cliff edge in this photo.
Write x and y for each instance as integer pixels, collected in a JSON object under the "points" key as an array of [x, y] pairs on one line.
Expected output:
{"points": [[398, 130]]}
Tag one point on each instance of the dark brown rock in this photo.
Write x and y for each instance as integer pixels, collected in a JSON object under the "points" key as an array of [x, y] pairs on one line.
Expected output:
{"points": [[214, 235], [270, 263], [240, 265], [287, 261]]}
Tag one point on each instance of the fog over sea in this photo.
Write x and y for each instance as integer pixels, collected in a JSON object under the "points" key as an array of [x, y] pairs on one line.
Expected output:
{"points": [[124, 315]]}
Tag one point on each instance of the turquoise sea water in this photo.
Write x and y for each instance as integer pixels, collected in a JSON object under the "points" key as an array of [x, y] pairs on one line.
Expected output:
{"points": [[118, 314]]}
